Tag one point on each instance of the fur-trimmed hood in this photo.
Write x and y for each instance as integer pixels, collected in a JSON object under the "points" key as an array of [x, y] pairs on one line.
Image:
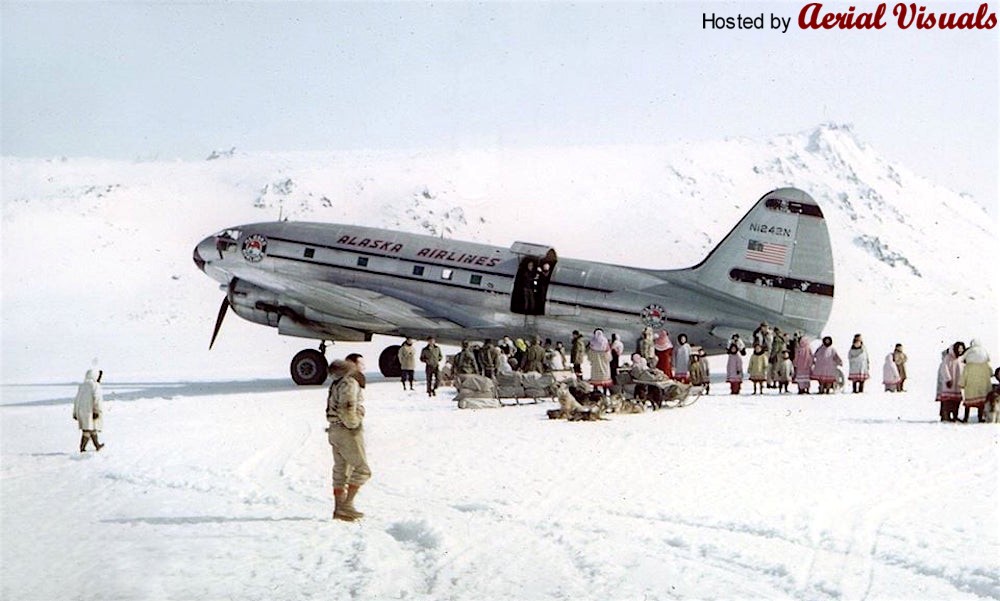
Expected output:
{"points": [[340, 368]]}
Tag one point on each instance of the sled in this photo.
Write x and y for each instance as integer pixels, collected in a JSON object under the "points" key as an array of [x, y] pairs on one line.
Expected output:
{"points": [[515, 388], [659, 393]]}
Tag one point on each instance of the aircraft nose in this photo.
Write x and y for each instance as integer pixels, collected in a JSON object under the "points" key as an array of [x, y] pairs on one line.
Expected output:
{"points": [[201, 251]]}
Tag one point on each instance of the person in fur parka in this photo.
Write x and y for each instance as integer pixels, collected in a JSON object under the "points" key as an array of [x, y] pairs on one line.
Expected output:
{"points": [[664, 349], [682, 359], [698, 370], [784, 371], [949, 382], [975, 379], [858, 364], [899, 358], [345, 413], [734, 369], [88, 409], [599, 353], [890, 374], [647, 346], [407, 355], [826, 360], [803, 363], [758, 368]]}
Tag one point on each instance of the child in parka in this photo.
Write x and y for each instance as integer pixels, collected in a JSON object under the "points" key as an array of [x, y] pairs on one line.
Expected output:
{"points": [[783, 371]]}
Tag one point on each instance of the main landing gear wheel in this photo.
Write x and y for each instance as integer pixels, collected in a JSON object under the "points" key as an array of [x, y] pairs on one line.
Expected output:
{"points": [[388, 362], [309, 367]]}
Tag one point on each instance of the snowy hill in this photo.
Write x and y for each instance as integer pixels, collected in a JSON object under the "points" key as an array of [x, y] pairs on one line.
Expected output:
{"points": [[97, 254]]}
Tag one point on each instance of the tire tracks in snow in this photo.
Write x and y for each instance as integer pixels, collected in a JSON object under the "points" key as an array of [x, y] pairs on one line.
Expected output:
{"points": [[860, 559]]}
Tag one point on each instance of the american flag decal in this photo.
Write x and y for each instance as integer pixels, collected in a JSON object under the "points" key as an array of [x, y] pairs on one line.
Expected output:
{"points": [[766, 252]]}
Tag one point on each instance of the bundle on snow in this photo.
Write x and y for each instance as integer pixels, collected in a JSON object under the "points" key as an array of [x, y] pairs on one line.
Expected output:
{"points": [[538, 385], [476, 392], [475, 383]]}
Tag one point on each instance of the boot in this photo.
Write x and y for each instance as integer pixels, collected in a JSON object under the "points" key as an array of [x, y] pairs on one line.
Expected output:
{"points": [[347, 506], [83, 442], [97, 445], [338, 506]]}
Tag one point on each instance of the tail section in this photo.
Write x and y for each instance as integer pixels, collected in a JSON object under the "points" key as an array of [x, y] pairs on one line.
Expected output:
{"points": [[778, 258]]}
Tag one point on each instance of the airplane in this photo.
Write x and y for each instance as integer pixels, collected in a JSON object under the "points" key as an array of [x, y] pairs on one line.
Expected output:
{"points": [[335, 282]]}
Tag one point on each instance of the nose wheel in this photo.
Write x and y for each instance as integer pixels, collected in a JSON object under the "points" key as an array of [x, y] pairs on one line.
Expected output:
{"points": [[309, 367]]}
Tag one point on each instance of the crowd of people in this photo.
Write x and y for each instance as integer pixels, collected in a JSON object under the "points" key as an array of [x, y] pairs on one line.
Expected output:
{"points": [[964, 379], [773, 360]]}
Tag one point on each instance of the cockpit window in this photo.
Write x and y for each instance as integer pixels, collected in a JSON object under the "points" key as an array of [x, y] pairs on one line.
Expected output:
{"points": [[226, 239]]}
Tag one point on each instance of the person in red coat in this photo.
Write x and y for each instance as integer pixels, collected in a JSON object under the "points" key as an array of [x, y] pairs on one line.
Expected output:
{"points": [[664, 353]]}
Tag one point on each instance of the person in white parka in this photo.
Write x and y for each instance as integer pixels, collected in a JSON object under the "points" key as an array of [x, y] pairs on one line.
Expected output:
{"points": [[88, 410]]}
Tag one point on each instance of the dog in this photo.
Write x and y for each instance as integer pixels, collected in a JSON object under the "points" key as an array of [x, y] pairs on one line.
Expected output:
{"points": [[571, 409], [585, 394], [632, 406], [611, 404], [991, 408], [649, 393]]}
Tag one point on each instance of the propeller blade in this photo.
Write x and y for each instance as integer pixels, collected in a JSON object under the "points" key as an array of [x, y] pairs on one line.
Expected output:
{"points": [[218, 321]]}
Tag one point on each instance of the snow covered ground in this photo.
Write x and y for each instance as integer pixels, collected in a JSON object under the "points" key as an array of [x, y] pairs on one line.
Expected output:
{"points": [[221, 490], [215, 481]]}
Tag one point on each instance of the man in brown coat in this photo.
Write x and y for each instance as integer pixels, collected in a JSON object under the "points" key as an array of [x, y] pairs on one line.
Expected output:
{"points": [[345, 412], [534, 356]]}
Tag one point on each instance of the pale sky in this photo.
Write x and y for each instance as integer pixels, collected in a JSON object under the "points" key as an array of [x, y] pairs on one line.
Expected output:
{"points": [[171, 80]]}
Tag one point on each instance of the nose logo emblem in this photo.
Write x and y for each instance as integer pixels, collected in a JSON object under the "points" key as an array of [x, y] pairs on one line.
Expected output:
{"points": [[254, 248], [653, 315]]}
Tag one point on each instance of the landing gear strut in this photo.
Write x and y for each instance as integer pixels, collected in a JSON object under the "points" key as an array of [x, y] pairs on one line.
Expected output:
{"points": [[309, 366]]}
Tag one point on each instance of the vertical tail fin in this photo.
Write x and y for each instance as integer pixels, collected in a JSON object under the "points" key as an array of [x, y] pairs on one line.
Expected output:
{"points": [[777, 257]]}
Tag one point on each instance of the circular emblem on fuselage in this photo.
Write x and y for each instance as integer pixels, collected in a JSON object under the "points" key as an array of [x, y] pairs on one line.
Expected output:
{"points": [[254, 247], [653, 315]]}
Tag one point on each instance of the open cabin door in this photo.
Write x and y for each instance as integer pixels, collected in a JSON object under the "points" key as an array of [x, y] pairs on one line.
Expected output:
{"points": [[535, 267]]}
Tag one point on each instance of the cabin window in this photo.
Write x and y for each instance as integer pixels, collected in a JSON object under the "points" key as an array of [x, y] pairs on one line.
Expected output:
{"points": [[310, 253], [418, 270], [446, 274], [475, 279], [362, 261]]}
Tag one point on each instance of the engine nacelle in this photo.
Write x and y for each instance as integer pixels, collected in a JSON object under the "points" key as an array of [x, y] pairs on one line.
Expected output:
{"points": [[255, 304], [262, 306]]}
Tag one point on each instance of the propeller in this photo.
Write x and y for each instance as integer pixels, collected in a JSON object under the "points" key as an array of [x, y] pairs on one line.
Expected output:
{"points": [[218, 321], [222, 312]]}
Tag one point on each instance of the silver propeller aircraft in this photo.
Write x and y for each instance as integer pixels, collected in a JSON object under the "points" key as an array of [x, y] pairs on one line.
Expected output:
{"points": [[334, 282]]}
